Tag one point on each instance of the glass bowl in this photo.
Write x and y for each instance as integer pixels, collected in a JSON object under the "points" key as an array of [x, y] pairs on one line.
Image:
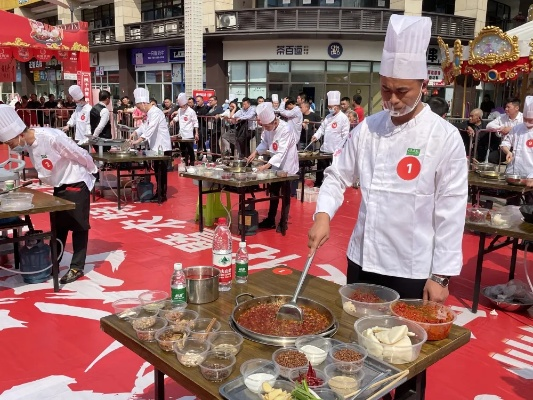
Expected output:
{"points": [[394, 354], [501, 219], [287, 358], [153, 299], [170, 306], [226, 175], [169, 335], [191, 352], [285, 386], [147, 327], [199, 325], [181, 319], [217, 366], [140, 313], [350, 354], [363, 299], [126, 308], [297, 375], [258, 370], [315, 348], [327, 394], [477, 215], [262, 175], [227, 341], [435, 318], [342, 382], [240, 176]]}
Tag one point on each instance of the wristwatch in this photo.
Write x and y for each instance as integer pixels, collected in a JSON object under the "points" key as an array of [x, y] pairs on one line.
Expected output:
{"points": [[444, 281]]}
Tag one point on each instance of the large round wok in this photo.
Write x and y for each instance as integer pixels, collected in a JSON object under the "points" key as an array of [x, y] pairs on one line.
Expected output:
{"points": [[282, 299]]}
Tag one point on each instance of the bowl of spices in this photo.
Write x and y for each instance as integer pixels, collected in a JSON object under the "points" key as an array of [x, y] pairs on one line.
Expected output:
{"points": [[201, 327], [181, 318], [288, 358], [192, 352], [362, 299], [351, 354], [153, 300], [170, 306], [314, 377], [217, 366], [227, 341], [127, 308], [146, 327], [257, 371], [344, 383], [166, 337], [314, 347]]}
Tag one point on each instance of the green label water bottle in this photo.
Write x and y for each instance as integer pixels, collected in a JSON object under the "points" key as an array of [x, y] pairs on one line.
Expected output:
{"points": [[178, 284], [241, 264]]}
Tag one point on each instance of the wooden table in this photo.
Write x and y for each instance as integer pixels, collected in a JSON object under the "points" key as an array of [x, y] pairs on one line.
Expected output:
{"points": [[42, 203], [117, 160], [306, 166], [478, 183], [263, 283], [518, 230], [242, 188]]}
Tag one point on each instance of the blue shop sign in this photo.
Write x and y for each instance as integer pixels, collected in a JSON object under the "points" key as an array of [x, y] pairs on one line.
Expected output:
{"points": [[177, 55], [335, 50], [149, 55]]}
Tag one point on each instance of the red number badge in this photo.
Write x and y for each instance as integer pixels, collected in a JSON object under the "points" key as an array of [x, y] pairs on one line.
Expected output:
{"points": [[47, 164], [185, 119], [529, 143], [408, 168], [82, 117], [275, 146], [334, 125]]}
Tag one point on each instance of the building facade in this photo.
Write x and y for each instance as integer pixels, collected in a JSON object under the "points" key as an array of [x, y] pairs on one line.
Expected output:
{"points": [[254, 47]]}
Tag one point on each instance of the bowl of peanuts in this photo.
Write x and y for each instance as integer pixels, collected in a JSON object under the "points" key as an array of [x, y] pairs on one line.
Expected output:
{"points": [[288, 358], [351, 355]]}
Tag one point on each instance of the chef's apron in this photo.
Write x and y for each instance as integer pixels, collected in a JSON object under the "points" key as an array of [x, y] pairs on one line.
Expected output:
{"points": [[78, 218]]}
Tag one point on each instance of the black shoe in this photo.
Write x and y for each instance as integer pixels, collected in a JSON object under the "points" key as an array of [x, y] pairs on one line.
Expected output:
{"points": [[267, 223], [71, 276], [156, 200], [281, 230]]}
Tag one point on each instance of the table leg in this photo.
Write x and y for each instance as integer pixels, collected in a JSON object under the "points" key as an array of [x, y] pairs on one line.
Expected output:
{"points": [[421, 386], [159, 174], [285, 206], [242, 208], [412, 389], [118, 185], [53, 249], [302, 180], [200, 206], [159, 384], [479, 268], [513, 258]]}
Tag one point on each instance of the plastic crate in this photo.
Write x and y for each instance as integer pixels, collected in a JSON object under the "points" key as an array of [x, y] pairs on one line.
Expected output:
{"points": [[310, 194]]}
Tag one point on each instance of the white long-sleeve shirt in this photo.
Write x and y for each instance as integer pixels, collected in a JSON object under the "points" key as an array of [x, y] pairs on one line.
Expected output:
{"points": [[504, 121], [155, 130], [282, 146], [58, 160], [104, 119], [414, 185], [188, 122], [520, 138], [81, 119], [335, 129], [249, 115], [294, 119]]}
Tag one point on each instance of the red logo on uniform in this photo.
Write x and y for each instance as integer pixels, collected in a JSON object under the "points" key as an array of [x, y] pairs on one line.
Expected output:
{"points": [[185, 119], [275, 146], [334, 125], [408, 168], [47, 164], [82, 117], [529, 143]]}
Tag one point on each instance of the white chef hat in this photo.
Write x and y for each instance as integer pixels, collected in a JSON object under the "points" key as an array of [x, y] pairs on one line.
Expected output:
{"points": [[10, 123], [275, 98], [406, 43], [182, 99], [76, 92], [141, 95], [334, 98], [528, 107], [265, 112]]}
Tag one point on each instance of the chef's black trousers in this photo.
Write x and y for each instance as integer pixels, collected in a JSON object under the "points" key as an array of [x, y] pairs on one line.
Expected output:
{"points": [[408, 289], [76, 220], [187, 152], [163, 166], [321, 165]]}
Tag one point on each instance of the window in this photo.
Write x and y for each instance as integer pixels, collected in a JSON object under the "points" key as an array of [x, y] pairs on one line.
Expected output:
{"points": [[161, 9], [99, 17], [237, 71], [257, 71], [307, 71], [49, 20], [441, 7], [498, 14]]}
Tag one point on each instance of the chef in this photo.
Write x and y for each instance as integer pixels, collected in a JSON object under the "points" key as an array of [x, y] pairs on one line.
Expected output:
{"points": [[188, 128], [293, 114], [275, 102], [154, 130], [413, 174], [81, 117], [279, 140], [503, 125], [66, 167], [520, 140], [335, 129]]}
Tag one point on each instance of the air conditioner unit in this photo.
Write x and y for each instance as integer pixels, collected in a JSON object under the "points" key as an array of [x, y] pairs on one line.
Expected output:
{"points": [[172, 27], [159, 29], [227, 21]]}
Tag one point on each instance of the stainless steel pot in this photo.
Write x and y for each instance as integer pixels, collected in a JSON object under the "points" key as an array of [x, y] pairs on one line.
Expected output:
{"points": [[282, 299], [202, 284], [484, 167], [516, 180]]}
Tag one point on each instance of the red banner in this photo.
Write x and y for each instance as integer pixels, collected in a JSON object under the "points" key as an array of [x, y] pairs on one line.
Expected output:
{"points": [[43, 55], [6, 54], [22, 54], [84, 81], [8, 71]]}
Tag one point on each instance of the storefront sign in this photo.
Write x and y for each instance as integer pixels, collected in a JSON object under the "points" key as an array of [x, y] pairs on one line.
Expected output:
{"points": [[149, 55], [205, 93], [292, 50], [35, 65], [8, 71], [6, 54], [69, 76], [99, 71], [177, 55], [435, 76], [335, 50], [84, 81], [433, 55]]}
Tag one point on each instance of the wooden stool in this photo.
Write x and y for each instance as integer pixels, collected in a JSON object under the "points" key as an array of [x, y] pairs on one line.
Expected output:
{"points": [[213, 208]]}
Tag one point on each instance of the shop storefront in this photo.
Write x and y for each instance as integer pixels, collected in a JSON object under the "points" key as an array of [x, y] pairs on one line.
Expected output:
{"points": [[105, 72], [47, 77]]}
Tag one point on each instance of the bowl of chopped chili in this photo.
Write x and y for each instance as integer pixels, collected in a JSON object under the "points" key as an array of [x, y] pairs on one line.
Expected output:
{"points": [[362, 299], [436, 319]]}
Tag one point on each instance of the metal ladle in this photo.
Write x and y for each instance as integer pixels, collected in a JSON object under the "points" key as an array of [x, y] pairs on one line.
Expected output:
{"points": [[291, 310]]}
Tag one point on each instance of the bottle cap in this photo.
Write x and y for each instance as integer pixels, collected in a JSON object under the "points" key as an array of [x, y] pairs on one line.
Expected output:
{"points": [[242, 245], [222, 221], [178, 266]]}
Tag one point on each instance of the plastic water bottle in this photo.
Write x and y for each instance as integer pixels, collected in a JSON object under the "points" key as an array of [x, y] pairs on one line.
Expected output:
{"points": [[241, 264], [134, 190], [178, 284], [160, 150], [222, 255]]}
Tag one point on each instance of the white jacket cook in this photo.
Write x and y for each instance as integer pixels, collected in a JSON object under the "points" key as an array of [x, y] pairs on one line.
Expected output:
{"points": [[188, 121], [155, 130], [81, 119], [520, 138], [282, 146], [335, 129], [58, 160], [414, 184]]}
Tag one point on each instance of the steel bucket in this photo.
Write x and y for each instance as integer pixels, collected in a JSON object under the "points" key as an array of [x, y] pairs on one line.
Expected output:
{"points": [[202, 284]]}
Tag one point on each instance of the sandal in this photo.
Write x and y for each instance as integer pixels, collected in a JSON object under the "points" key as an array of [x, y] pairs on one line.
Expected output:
{"points": [[71, 276]]}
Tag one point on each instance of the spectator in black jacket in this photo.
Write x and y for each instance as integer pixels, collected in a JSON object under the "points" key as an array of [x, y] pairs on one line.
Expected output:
{"points": [[201, 111]]}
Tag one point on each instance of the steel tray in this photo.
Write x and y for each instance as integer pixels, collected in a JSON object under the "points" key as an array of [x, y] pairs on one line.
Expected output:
{"points": [[236, 389]]}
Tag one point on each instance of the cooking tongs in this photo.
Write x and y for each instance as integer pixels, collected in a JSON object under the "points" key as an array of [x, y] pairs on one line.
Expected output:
{"points": [[291, 310]]}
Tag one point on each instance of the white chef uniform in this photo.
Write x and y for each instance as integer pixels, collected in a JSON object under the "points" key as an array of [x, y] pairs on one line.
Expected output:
{"points": [[335, 129], [188, 121], [413, 176], [282, 146], [520, 139], [155, 128], [504, 121], [294, 119], [275, 99], [81, 117]]}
